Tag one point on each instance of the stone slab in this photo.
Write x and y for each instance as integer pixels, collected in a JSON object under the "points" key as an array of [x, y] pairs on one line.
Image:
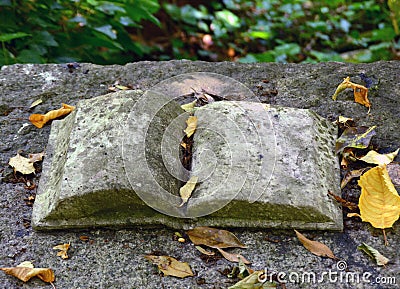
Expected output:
{"points": [[111, 164]]}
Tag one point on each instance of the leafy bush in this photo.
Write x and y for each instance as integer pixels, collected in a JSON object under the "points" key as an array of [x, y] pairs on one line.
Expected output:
{"points": [[63, 31], [121, 31]]}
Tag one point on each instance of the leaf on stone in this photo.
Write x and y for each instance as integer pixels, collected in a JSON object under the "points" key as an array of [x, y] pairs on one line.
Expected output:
{"points": [[360, 92], [373, 157], [189, 107], [344, 120], [214, 238], [351, 206], [379, 201], [374, 254], [315, 247], [352, 215], [186, 191], [232, 257], [21, 164], [351, 175], [36, 103], [170, 266], [355, 137], [204, 251], [33, 158], [39, 120], [26, 271], [253, 281], [191, 126], [63, 250], [394, 173]]}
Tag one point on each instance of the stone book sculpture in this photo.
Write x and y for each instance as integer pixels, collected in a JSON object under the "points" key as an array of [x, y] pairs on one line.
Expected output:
{"points": [[116, 162]]}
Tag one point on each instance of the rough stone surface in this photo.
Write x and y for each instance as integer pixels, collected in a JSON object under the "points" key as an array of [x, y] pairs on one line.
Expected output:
{"points": [[285, 155], [114, 258], [265, 166]]}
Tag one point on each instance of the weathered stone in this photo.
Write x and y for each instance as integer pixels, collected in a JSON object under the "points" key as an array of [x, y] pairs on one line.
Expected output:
{"points": [[84, 183], [265, 166], [114, 162]]}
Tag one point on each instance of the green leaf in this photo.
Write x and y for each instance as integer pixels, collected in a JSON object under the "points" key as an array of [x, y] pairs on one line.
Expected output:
{"points": [[374, 254], [11, 36], [228, 18], [107, 30]]}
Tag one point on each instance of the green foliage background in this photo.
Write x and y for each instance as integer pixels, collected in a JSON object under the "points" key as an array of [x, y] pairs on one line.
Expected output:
{"points": [[107, 32]]}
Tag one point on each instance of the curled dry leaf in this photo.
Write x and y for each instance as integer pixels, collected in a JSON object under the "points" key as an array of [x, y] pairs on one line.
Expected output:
{"points": [[373, 253], [39, 120], [214, 238], [36, 103], [232, 257], [351, 206], [379, 201], [352, 174], [170, 266], [186, 191], [33, 158], [63, 250], [373, 157], [191, 126], [26, 271], [204, 251], [315, 247], [360, 92], [21, 164], [355, 137]]}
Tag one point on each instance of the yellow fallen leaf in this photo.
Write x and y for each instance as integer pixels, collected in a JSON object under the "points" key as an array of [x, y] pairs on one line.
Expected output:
{"points": [[379, 201], [170, 266], [189, 107], [373, 253], [21, 164], [343, 119], [214, 238], [352, 215], [39, 120], [63, 250], [232, 257], [191, 126], [36, 102], [373, 157], [25, 271], [315, 247], [186, 191], [360, 92]]}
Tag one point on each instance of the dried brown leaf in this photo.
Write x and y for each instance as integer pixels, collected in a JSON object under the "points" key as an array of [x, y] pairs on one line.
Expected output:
{"points": [[232, 257], [351, 175], [63, 250], [170, 266], [351, 206], [204, 251], [214, 238], [33, 158], [315, 247], [25, 271]]}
